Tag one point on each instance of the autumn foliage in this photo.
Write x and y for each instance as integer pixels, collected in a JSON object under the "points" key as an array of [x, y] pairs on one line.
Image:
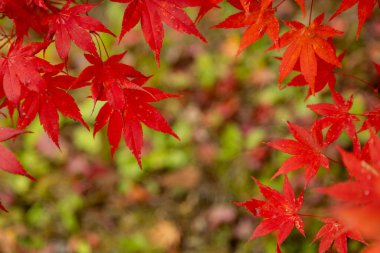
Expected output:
{"points": [[31, 86]]}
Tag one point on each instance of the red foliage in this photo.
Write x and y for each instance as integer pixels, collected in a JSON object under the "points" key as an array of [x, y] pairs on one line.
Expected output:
{"points": [[334, 232], [279, 213], [152, 13], [306, 151], [259, 17], [31, 85]]}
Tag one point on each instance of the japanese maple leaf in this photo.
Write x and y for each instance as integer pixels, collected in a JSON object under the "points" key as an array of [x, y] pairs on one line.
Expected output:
{"points": [[306, 151], [108, 79], [152, 14], [259, 18], [21, 70], [280, 211], [364, 171], [25, 15], [301, 4], [303, 44], [365, 8], [335, 232], [372, 120], [127, 121], [325, 73], [68, 25], [337, 117], [206, 6], [8, 161], [365, 219], [48, 103], [365, 216]]}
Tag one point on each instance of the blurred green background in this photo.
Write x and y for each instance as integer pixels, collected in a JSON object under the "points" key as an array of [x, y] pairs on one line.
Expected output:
{"points": [[182, 200]]}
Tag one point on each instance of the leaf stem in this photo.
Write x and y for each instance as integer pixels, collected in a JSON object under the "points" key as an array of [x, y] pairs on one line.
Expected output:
{"points": [[311, 11], [353, 77], [98, 44], [311, 215], [333, 160], [278, 5]]}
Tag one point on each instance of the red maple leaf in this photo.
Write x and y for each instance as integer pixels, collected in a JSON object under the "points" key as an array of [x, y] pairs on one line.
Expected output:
{"points": [[306, 150], [206, 6], [337, 117], [108, 79], [335, 232], [301, 4], [364, 170], [8, 161], [68, 25], [365, 8], [303, 44], [152, 14], [127, 120], [47, 103], [21, 70], [372, 120], [259, 18], [127, 101], [325, 73], [364, 218], [25, 15], [280, 211]]}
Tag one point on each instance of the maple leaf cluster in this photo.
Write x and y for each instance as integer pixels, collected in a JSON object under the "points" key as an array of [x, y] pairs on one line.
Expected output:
{"points": [[30, 85], [309, 50]]}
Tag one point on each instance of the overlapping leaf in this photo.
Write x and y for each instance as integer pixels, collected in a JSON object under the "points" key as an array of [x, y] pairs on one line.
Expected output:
{"points": [[280, 211], [108, 79], [127, 101], [68, 25], [364, 169], [259, 18], [47, 103], [8, 161], [337, 117], [335, 233], [127, 121], [25, 15], [361, 194], [372, 120], [21, 70], [306, 151], [303, 44], [325, 74]]}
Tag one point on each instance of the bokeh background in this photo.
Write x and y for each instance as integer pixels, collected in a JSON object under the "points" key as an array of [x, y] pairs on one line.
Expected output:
{"points": [[182, 199]]}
